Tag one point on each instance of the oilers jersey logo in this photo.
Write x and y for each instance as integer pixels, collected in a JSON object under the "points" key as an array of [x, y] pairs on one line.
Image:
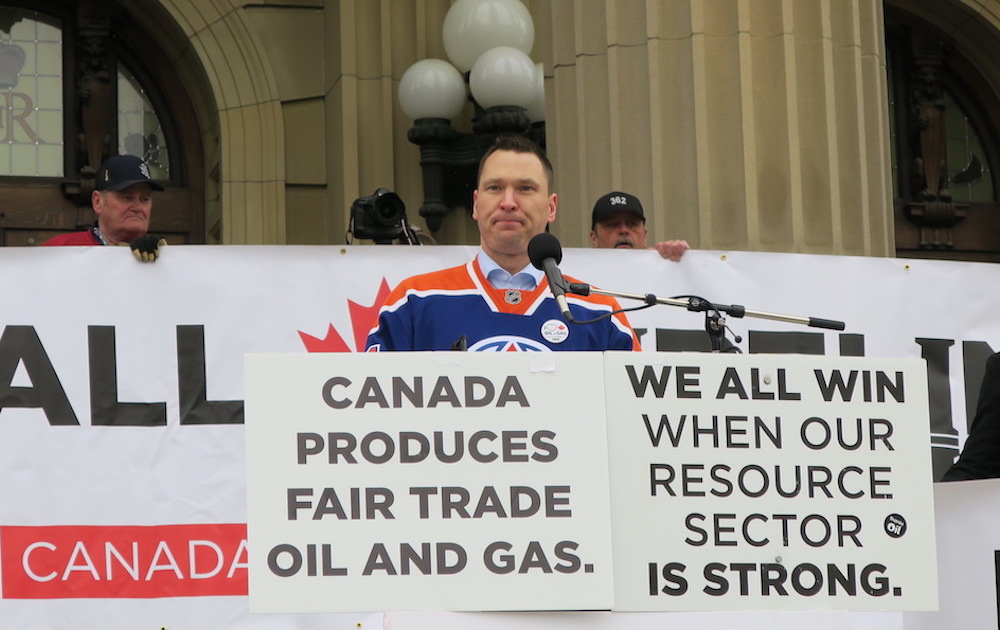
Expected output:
{"points": [[508, 343]]}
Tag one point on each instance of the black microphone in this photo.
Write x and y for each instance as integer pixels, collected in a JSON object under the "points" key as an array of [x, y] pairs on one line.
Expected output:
{"points": [[545, 253]]}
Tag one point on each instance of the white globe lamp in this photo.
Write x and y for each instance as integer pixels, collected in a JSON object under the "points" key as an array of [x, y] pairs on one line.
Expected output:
{"points": [[432, 88], [471, 27], [503, 76]]}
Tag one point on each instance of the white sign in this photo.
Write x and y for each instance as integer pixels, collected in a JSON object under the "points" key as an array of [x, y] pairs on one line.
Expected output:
{"points": [[427, 481], [770, 482]]}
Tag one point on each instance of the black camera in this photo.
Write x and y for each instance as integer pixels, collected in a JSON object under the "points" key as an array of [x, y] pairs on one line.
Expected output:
{"points": [[380, 217]]}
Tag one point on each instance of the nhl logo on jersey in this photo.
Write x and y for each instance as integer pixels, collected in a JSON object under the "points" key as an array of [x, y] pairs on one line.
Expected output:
{"points": [[512, 296], [555, 331]]}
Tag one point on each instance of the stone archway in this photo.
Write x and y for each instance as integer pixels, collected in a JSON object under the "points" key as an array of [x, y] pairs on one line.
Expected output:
{"points": [[236, 100]]}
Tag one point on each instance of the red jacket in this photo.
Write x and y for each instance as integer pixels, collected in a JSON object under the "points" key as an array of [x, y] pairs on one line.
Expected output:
{"points": [[75, 238]]}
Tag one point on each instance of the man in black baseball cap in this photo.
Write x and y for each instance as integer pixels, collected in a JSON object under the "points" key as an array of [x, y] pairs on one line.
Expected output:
{"points": [[123, 201], [618, 222]]}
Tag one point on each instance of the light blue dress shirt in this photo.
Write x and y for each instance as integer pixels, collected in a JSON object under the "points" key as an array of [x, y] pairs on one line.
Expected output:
{"points": [[526, 280]]}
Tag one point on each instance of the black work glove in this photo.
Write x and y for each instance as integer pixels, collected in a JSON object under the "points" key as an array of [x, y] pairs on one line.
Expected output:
{"points": [[146, 248]]}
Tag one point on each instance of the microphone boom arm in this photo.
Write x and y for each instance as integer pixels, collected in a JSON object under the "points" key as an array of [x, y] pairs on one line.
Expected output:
{"points": [[715, 325]]}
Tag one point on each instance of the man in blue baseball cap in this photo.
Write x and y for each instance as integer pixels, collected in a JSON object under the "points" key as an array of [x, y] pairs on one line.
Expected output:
{"points": [[123, 202]]}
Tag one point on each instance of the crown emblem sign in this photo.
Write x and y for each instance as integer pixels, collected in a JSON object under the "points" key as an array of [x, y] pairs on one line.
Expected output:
{"points": [[12, 59]]}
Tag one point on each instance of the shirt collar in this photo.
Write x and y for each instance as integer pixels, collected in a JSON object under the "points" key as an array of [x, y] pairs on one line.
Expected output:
{"points": [[527, 279]]}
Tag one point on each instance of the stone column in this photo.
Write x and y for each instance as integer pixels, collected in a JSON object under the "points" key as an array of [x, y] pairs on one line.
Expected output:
{"points": [[741, 124]]}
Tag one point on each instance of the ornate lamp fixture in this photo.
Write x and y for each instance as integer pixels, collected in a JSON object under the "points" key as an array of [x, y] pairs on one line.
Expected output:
{"points": [[488, 42]]}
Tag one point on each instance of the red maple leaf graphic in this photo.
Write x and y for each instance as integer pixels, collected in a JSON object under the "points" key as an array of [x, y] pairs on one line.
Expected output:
{"points": [[333, 342], [362, 320]]}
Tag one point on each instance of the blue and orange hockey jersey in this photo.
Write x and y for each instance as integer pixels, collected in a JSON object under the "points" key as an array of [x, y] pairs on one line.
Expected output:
{"points": [[434, 311]]}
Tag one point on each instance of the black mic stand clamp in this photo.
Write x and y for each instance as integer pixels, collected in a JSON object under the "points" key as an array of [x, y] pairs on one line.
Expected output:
{"points": [[715, 323]]}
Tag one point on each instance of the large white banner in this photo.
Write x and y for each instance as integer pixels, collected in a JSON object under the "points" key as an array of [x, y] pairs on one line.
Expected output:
{"points": [[121, 391]]}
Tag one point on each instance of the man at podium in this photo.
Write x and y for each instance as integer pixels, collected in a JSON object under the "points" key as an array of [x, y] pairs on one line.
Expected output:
{"points": [[498, 301]]}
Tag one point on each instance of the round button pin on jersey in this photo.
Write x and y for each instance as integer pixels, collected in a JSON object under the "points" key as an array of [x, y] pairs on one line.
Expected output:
{"points": [[555, 331]]}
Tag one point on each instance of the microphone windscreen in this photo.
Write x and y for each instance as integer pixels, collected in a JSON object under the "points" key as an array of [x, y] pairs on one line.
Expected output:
{"points": [[542, 246]]}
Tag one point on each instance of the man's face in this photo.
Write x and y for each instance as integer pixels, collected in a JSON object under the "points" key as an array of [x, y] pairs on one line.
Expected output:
{"points": [[123, 215], [512, 203], [622, 230]]}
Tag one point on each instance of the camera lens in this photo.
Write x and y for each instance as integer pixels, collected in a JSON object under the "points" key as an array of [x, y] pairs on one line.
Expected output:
{"points": [[389, 209]]}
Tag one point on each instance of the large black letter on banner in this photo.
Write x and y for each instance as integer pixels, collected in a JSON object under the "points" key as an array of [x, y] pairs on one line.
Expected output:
{"points": [[20, 344], [936, 353], [105, 410], [196, 408]]}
